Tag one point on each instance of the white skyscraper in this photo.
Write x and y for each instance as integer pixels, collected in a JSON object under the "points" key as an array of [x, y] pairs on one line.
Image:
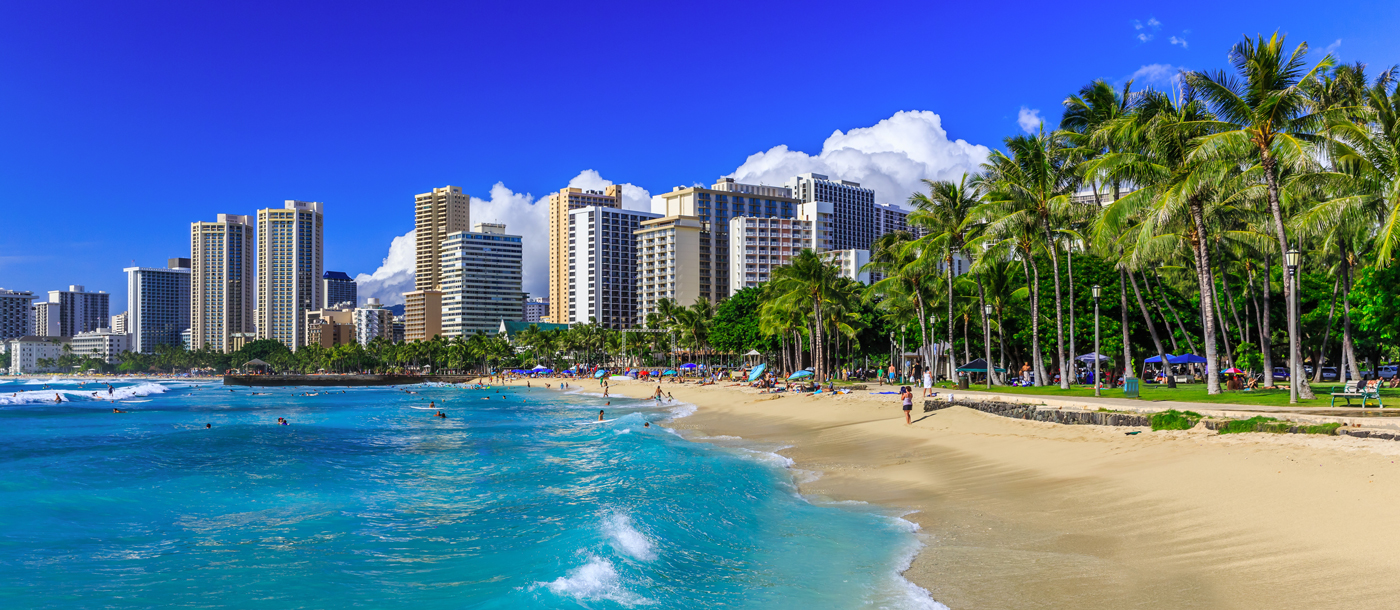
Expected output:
{"points": [[481, 280], [602, 258], [221, 280], [157, 304], [16, 319], [80, 311], [853, 207], [290, 265]]}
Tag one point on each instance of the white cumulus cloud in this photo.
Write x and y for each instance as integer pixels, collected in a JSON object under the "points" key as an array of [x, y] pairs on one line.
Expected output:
{"points": [[890, 157], [1029, 120], [1157, 74], [1180, 41], [521, 213]]}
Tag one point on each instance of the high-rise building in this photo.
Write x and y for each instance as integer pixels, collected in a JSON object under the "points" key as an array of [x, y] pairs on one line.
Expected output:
{"points": [[422, 315], [560, 204], [80, 311], [400, 329], [603, 265], [712, 208], [757, 246], [435, 214], [853, 207], [290, 265], [890, 218], [536, 308], [372, 321], [157, 304], [16, 315], [338, 291], [43, 320], [103, 344], [667, 264], [481, 280], [222, 281], [849, 263], [119, 323]]}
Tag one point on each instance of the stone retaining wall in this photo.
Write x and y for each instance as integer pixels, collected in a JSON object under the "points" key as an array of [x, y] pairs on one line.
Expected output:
{"points": [[1057, 416]]}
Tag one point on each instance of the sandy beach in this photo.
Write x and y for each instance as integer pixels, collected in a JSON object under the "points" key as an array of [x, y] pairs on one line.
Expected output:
{"points": [[1022, 514]]}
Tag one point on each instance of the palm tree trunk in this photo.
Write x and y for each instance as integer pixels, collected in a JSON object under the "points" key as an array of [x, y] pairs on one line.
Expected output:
{"points": [[923, 326], [1001, 345], [1123, 323], [1069, 266], [967, 357], [1266, 347], [1229, 296], [1033, 275], [1321, 350], [986, 330], [1156, 306], [1152, 328], [1059, 307], [1161, 289], [1295, 345], [1348, 347], [952, 355], [1224, 327]]}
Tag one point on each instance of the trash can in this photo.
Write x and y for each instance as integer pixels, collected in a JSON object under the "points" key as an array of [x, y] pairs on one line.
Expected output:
{"points": [[962, 382], [1130, 387]]}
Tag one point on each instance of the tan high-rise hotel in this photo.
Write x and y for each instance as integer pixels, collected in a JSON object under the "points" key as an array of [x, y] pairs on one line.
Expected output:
{"points": [[222, 281], [559, 206], [436, 214]]}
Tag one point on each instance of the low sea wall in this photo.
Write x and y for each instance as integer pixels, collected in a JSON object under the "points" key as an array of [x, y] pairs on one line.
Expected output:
{"points": [[1056, 416], [341, 380]]}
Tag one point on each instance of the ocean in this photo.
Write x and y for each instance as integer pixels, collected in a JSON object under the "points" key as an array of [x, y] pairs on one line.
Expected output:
{"points": [[518, 499]]}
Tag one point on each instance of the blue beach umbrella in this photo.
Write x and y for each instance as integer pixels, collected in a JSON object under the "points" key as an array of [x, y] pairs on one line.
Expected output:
{"points": [[800, 374], [757, 372], [668, 372], [600, 373]]}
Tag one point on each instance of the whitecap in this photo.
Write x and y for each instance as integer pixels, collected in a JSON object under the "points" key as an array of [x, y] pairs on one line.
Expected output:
{"points": [[47, 396], [595, 580], [626, 539]]}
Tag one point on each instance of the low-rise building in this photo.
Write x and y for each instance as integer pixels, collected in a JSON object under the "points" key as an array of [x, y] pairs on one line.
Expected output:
{"points": [[536, 308], [330, 327], [104, 343], [26, 352]]}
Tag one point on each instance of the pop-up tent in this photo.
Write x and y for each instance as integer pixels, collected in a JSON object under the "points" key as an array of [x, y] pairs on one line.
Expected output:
{"points": [[978, 366], [1182, 359]]}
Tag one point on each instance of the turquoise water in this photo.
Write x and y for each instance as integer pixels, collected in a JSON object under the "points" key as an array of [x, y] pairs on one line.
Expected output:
{"points": [[517, 500]]}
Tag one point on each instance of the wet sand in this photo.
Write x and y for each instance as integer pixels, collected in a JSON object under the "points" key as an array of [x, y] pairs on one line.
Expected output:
{"points": [[1021, 514]]}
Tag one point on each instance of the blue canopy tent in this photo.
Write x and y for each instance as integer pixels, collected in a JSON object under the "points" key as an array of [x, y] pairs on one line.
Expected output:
{"points": [[690, 365], [1182, 359], [757, 372]]}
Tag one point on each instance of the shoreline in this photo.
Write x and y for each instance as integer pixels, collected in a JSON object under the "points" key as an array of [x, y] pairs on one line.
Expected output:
{"points": [[1017, 513]]}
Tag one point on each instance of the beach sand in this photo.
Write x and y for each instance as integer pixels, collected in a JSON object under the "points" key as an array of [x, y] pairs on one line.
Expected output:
{"points": [[1022, 514]]}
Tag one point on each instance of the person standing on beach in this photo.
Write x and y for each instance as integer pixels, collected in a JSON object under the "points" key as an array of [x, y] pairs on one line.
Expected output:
{"points": [[928, 383], [906, 398]]}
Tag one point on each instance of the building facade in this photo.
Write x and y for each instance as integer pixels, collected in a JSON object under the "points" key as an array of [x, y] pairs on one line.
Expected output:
{"points": [[853, 208], [330, 327], [372, 321], [712, 208], [222, 281], [16, 313], [43, 320], [849, 263], [667, 264], [757, 246], [435, 214], [104, 344], [290, 265], [536, 308], [560, 204], [157, 304], [80, 311], [603, 265], [119, 323], [422, 315], [338, 291], [26, 352], [481, 275]]}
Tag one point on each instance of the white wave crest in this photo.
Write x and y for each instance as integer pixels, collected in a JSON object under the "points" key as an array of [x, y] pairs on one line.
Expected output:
{"points": [[683, 410], [595, 580], [625, 538], [47, 396]]}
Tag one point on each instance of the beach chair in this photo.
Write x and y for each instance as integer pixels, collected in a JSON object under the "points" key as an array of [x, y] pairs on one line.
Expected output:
{"points": [[1349, 392]]}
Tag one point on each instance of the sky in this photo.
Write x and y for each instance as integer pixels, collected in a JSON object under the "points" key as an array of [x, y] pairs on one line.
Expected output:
{"points": [[121, 123]]}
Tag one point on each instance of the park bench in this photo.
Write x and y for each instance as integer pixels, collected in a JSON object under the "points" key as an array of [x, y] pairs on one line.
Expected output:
{"points": [[1363, 390]]}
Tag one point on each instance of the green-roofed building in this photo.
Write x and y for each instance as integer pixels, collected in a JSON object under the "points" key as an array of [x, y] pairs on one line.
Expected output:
{"points": [[510, 327]]}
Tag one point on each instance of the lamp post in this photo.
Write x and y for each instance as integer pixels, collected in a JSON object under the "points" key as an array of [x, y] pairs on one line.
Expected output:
{"points": [[1290, 258], [987, 341], [1097, 293], [930, 358]]}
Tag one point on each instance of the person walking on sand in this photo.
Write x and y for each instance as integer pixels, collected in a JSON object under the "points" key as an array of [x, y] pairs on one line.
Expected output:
{"points": [[906, 398]]}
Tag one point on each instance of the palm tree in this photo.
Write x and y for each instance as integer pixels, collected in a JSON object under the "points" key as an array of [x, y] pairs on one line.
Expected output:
{"points": [[947, 212], [809, 278], [906, 267], [1264, 116]]}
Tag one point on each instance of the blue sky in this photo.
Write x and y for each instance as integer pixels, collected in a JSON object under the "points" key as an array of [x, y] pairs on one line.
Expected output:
{"points": [[122, 123]]}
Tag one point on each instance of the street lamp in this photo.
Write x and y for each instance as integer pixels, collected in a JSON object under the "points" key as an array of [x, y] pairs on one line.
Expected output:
{"points": [[987, 341], [1098, 291], [1290, 258]]}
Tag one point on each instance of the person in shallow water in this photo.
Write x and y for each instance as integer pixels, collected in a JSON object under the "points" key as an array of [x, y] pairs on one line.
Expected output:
{"points": [[600, 415], [207, 426], [57, 398], [646, 425]]}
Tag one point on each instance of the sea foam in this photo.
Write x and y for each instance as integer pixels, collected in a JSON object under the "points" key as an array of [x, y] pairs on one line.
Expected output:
{"points": [[595, 580], [626, 539]]}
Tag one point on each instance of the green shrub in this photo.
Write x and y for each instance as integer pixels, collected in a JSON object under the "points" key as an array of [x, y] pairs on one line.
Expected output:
{"points": [[1175, 420], [1330, 429], [1257, 423]]}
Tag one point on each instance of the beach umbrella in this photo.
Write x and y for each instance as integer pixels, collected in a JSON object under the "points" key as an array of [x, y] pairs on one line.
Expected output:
{"points": [[600, 373], [800, 374], [756, 372], [689, 365], [540, 367], [1089, 357], [667, 372], [1232, 371]]}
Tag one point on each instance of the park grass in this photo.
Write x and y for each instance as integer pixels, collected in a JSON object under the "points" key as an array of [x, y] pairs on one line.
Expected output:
{"points": [[1257, 423], [1192, 392], [1175, 420]]}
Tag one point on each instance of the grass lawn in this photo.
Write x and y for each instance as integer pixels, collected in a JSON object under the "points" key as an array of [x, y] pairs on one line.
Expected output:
{"points": [[1196, 392]]}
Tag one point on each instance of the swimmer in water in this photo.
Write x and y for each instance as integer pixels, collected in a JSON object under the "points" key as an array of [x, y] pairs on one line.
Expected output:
{"points": [[57, 398], [600, 415], [432, 405], [207, 426], [118, 411], [646, 425]]}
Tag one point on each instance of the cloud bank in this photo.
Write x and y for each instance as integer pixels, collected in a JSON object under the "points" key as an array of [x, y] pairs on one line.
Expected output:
{"points": [[890, 157]]}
